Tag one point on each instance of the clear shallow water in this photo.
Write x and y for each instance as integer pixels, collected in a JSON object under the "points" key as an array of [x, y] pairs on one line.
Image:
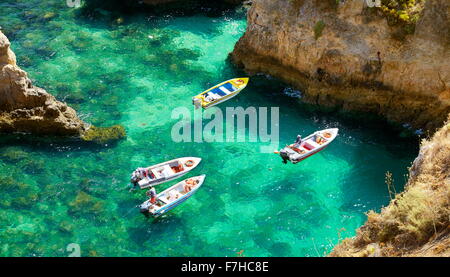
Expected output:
{"points": [[56, 192]]}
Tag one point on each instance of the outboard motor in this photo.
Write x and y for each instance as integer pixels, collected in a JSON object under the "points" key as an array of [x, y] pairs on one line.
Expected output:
{"points": [[143, 209], [197, 102], [137, 176], [134, 178], [284, 155]]}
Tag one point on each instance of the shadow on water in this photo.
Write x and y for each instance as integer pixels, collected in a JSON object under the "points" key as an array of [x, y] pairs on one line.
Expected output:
{"points": [[371, 129], [52, 143], [112, 14], [210, 8], [154, 228]]}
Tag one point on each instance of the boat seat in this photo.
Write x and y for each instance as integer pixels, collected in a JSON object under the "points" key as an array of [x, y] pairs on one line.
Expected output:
{"points": [[164, 171], [229, 87], [164, 199], [226, 91], [218, 91], [300, 149], [212, 97], [173, 195], [178, 168], [313, 144], [309, 145]]}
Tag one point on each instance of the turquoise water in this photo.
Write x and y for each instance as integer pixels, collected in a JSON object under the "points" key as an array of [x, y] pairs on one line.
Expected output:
{"points": [[135, 71]]}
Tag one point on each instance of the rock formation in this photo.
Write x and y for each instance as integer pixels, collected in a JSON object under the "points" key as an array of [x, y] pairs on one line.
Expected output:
{"points": [[25, 108], [29, 109], [417, 221], [342, 56]]}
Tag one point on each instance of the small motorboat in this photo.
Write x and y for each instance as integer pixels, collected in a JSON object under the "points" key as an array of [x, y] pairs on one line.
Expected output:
{"points": [[220, 93], [173, 196], [309, 146], [163, 172]]}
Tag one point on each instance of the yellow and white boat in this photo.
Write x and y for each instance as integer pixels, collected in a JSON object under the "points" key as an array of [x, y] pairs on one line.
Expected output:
{"points": [[220, 93]]}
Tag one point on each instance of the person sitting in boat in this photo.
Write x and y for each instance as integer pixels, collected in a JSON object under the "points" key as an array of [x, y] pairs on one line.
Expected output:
{"points": [[151, 193], [298, 141], [319, 140], [190, 184], [210, 97], [139, 174]]}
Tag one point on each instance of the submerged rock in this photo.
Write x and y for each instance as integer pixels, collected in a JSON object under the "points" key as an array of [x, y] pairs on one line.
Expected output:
{"points": [[66, 227], [29, 109], [103, 135], [13, 155], [84, 204], [17, 194]]}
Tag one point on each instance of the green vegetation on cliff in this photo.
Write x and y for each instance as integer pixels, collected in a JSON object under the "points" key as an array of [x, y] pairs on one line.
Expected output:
{"points": [[406, 11], [318, 29], [402, 13], [417, 221]]}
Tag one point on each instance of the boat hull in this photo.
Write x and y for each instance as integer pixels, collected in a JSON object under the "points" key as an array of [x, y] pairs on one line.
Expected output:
{"points": [[145, 182], [222, 100], [309, 146], [238, 84], [146, 207], [309, 155]]}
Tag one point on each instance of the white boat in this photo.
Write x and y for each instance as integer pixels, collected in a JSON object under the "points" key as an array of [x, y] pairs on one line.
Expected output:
{"points": [[173, 196], [163, 172], [309, 146], [220, 93]]}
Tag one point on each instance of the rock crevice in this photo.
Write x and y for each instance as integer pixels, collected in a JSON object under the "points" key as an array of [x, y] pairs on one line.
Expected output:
{"points": [[343, 57]]}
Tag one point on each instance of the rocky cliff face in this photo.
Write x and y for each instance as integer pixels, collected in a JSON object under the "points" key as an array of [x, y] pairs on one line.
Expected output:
{"points": [[417, 221], [29, 109], [344, 57]]}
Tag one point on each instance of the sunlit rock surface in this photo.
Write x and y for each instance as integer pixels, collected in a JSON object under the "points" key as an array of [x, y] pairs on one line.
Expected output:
{"points": [[29, 109], [416, 222], [345, 58], [26, 108]]}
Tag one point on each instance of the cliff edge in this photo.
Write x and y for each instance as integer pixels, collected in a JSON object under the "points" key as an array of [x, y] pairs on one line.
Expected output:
{"points": [[417, 221], [343, 55], [25, 108], [29, 109]]}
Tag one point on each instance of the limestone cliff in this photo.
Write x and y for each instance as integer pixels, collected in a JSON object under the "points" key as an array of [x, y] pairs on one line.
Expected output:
{"points": [[25, 108], [417, 221], [29, 109], [342, 56]]}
